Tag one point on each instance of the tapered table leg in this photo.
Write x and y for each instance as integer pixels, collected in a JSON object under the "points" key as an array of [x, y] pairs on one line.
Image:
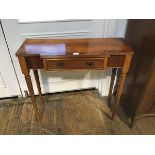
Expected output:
{"points": [[111, 84], [121, 80], [118, 95], [31, 92], [38, 85], [26, 71]]}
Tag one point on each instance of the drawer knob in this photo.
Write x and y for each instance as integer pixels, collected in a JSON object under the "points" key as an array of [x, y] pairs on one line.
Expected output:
{"points": [[60, 64], [90, 64]]}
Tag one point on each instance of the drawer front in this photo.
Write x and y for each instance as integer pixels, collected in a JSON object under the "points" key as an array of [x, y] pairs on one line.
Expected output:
{"points": [[85, 63]]}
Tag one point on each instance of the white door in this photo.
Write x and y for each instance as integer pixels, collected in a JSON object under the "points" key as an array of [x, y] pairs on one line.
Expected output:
{"points": [[8, 81], [17, 31]]}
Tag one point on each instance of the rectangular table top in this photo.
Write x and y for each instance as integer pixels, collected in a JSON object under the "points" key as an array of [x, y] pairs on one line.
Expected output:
{"points": [[90, 47]]}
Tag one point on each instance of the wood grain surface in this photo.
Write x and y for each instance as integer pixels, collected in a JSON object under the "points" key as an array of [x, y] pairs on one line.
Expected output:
{"points": [[90, 47], [71, 113]]}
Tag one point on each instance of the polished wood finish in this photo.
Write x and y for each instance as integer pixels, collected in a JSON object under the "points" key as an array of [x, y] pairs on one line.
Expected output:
{"points": [[60, 48], [138, 93], [65, 115], [26, 71], [115, 61], [82, 63], [122, 77], [74, 54], [38, 85]]}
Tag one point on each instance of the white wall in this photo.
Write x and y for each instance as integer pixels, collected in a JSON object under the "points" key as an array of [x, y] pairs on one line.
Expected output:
{"points": [[16, 31]]}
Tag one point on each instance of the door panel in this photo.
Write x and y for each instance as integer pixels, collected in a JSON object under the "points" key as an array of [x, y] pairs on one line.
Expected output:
{"points": [[8, 81], [61, 81]]}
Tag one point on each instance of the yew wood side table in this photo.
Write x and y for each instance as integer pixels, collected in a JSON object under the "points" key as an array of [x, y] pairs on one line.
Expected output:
{"points": [[74, 54]]}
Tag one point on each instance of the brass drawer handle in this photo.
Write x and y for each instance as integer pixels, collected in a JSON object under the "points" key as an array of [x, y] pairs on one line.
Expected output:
{"points": [[90, 64], [60, 64]]}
